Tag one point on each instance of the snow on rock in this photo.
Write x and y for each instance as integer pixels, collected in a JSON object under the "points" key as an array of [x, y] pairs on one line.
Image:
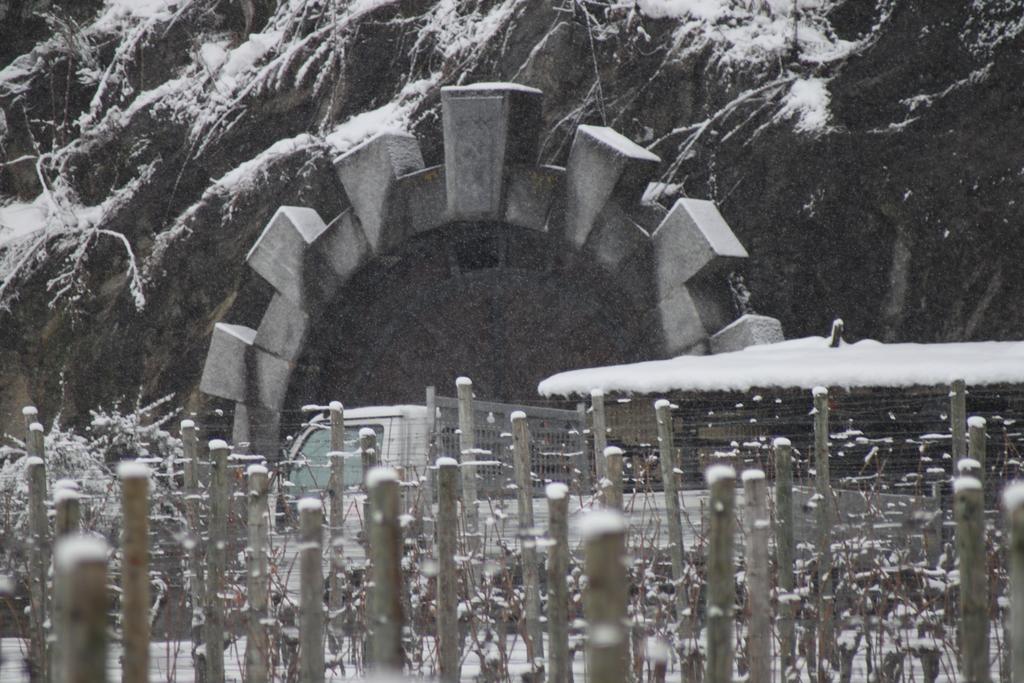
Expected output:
{"points": [[805, 363], [599, 523], [807, 104], [72, 551]]}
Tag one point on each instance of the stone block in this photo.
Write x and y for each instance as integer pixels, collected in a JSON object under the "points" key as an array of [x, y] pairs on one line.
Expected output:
{"points": [[694, 241], [283, 257], [343, 248], [224, 374], [283, 329], [681, 327], [748, 330], [419, 202], [257, 431], [488, 127], [369, 172], [616, 238], [603, 165], [531, 194], [237, 370]]}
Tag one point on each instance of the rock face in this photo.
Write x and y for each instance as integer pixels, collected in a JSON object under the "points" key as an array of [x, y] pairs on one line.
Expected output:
{"points": [[872, 172]]}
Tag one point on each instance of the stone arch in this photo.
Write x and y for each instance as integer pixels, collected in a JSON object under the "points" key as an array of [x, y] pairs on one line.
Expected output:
{"points": [[671, 262]]}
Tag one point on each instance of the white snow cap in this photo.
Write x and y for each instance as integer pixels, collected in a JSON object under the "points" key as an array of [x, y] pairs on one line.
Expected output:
{"points": [[782, 442], [77, 549], [976, 421], [35, 427], [601, 523], [1013, 496], [188, 424], [716, 473], [378, 475], [597, 392], [29, 410], [612, 450], [366, 432], [463, 381], [256, 469], [752, 475], [34, 461], [517, 415], [130, 469], [819, 391], [966, 484], [661, 403], [310, 505], [66, 484], [336, 405], [968, 464], [445, 461], [60, 495], [218, 444], [556, 490]]}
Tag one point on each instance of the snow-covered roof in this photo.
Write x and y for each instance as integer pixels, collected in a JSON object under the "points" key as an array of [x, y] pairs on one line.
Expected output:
{"points": [[805, 363]]}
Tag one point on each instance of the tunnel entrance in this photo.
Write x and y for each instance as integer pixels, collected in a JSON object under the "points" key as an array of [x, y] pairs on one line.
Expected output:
{"points": [[505, 305]]}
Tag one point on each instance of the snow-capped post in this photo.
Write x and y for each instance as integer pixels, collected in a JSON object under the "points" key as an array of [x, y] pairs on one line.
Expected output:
{"points": [[39, 566], [1013, 501], [257, 645], [825, 506], [311, 591], [369, 458], [428, 480], [447, 598], [755, 519], [336, 520], [67, 503], [558, 590], [36, 440], [527, 537], [606, 595], [193, 544], [467, 450], [611, 484], [969, 467], [836, 335], [385, 599], [784, 550], [977, 438], [958, 417], [134, 478], [670, 481], [586, 473], [31, 415], [969, 513], [216, 562], [81, 579], [599, 430], [721, 572]]}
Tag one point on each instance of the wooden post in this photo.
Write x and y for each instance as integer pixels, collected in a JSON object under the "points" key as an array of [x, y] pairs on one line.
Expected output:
{"points": [[670, 483], [385, 615], [447, 597], [969, 511], [335, 524], [81, 568], [467, 452], [586, 473], [599, 430], [611, 485], [756, 523], [135, 571], [721, 572], [1013, 502], [257, 644], [430, 485], [559, 670], [30, 415], [39, 567], [978, 438], [216, 562], [605, 597], [958, 417], [825, 506], [36, 440], [311, 591], [527, 537], [193, 543], [68, 519], [784, 552]]}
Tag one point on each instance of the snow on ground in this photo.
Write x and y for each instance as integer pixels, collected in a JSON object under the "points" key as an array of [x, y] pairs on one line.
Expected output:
{"points": [[805, 363], [21, 219], [807, 103]]}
